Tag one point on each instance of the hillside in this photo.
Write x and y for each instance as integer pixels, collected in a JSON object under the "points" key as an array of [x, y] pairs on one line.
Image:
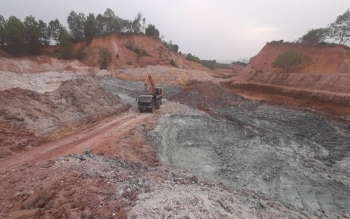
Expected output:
{"points": [[325, 59], [130, 50], [321, 83]]}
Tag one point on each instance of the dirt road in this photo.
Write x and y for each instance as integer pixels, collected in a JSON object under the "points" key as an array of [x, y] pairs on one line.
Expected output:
{"points": [[104, 132]]}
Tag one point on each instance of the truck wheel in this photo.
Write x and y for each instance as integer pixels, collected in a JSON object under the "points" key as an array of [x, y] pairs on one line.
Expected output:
{"points": [[141, 110]]}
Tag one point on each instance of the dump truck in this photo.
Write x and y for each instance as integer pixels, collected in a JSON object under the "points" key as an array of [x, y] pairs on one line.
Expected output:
{"points": [[151, 100]]}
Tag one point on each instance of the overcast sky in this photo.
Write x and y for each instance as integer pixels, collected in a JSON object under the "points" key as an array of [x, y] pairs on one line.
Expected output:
{"points": [[209, 29]]}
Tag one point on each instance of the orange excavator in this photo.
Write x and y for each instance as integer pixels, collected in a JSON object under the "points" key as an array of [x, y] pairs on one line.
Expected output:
{"points": [[153, 99]]}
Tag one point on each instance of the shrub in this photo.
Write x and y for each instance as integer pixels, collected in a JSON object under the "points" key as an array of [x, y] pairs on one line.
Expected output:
{"points": [[105, 58], [139, 51], [81, 53], [173, 63], [289, 59]]}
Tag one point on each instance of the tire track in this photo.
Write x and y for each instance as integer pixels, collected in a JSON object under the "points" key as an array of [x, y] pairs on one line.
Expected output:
{"points": [[76, 143]]}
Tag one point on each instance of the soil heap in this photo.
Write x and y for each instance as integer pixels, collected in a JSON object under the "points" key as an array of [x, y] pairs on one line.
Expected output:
{"points": [[29, 118]]}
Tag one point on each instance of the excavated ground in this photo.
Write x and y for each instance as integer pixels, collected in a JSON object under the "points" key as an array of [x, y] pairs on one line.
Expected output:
{"points": [[265, 161], [288, 155]]}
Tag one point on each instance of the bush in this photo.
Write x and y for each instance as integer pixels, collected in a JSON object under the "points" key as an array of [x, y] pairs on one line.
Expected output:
{"points": [[139, 51], [105, 58], [151, 30], [81, 53], [173, 63], [239, 63], [289, 59], [208, 63]]}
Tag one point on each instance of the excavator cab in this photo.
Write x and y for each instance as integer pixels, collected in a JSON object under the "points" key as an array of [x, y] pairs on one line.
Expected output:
{"points": [[159, 91]]}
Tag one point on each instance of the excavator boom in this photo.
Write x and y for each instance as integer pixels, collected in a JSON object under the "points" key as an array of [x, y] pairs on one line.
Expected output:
{"points": [[150, 80]]}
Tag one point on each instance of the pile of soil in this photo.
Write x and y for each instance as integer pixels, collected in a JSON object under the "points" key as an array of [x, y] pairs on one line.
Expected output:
{"points": [[208, 97], [29, 118]]}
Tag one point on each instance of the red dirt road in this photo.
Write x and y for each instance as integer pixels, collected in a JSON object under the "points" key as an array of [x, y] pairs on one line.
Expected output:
{"points": [[104, 133]]}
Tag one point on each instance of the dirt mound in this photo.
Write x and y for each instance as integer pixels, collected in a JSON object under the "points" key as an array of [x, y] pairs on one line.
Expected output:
{"points": [[165, 75], [132, 50], [207, 97], [39, 82], [29, 118], [325, 59]]}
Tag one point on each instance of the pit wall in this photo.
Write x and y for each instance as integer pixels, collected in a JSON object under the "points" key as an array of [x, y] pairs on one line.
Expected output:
{"points": [[313, 95], [326, 82], [325, 59]]}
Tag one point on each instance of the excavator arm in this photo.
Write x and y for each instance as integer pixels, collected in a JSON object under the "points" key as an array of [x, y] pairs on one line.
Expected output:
{"points": [[150, 80]]}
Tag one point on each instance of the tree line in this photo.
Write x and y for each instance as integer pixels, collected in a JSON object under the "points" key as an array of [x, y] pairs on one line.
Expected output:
{"points": [[338, 32], [27, 37]]}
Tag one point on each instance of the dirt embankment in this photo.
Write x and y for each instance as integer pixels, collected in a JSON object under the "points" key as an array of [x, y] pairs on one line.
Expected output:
{"points": [[29, 118], [325, 59], [129, 51], [165, 75], [322, 81]]}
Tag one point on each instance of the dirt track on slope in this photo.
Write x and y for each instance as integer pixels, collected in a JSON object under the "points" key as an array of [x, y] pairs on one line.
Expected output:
{"points": [[85, 140]]}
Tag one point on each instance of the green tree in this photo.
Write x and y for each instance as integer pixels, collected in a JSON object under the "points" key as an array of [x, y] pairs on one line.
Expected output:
{"points": [[315, 36], [189, 57], [100, 25], [175, 48], [151, 30], [90, 26], [340, 29], [14, 40], [143, 25], [33, 35], [65, 46], [45, 36], [289, 59], [136, 24], [125, 26], [110, 21], [208, 63], [56, 30], [2, 30], [105, 58], [76, 24]]}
